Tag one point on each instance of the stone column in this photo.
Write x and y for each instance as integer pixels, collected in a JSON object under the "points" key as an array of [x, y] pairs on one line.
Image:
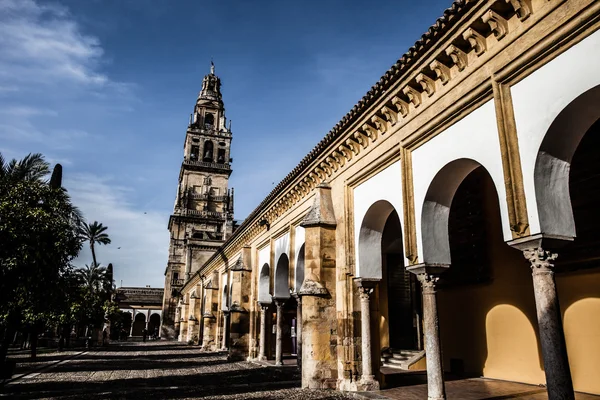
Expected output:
{"points": [[298, 331], [188, 263], [279, 332], [429, 276], [132, 320], [318, 291], [367, 380], [225, 330], [262, 350], [554, 349]]}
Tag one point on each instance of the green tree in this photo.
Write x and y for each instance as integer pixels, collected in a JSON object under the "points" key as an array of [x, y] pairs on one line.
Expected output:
{"points": [[31, 168], [39, 237], [94, 233], [92, 277]]}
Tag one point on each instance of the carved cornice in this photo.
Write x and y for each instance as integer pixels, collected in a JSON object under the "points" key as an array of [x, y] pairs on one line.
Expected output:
{"points": [[401, 91]]}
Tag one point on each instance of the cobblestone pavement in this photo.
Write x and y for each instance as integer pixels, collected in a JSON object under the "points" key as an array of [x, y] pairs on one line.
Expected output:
{"points": [[160, 370]]}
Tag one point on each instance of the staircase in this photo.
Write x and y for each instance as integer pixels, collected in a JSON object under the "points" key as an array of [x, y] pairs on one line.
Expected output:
{"points": [[401, 359]]}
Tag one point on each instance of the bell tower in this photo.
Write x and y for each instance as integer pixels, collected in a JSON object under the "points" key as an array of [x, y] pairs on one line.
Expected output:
{"points": [[202, 218]]}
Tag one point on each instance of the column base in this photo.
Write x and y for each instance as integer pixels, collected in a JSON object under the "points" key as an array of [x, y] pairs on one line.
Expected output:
{"points": [[279, 363], [261, 358], [436, 398], [367, 384]]}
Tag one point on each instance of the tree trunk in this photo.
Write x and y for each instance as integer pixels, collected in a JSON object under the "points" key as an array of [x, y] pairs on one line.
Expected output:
{"points": [[93, 254], [34, 341], [9, 333]]}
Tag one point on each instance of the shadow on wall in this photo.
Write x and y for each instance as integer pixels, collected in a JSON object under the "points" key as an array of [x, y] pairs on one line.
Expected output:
{"points": [[486, 305]]}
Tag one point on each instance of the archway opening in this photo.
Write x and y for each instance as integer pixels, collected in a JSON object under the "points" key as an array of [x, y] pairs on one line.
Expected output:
{"points": [[400, 300], [463, 229], [208, 151], [282, 274], [578, 265], [139, 324], [153, 325]]}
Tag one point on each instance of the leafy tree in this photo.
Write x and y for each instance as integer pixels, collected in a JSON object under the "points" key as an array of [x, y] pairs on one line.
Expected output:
{"points": [[39, 236], [94, 233], [92, 277], [31, 168]]}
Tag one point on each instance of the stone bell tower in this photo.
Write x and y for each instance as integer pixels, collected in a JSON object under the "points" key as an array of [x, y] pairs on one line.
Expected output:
{"points": [[203, 214]]}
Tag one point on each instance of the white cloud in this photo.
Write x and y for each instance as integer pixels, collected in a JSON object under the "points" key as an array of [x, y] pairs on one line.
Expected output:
{"points": [[42, 44], [141, 235]]}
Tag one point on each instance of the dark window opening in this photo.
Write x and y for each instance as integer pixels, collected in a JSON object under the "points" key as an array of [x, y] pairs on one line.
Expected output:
{"points": [[221, 156], [208, 151], [198, 235], [209, 120], [194, 154]]}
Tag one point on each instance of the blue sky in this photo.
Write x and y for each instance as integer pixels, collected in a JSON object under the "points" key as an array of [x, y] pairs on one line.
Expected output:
{"points": [[105, 87]]}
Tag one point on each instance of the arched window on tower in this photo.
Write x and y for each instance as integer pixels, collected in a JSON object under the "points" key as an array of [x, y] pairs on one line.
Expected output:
{"points": [[209, 120], [221, 156], [208, 151], [194, 153]]}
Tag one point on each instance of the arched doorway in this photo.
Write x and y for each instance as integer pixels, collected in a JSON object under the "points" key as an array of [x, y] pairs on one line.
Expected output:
{"points": [[139, 324], [567, 187], [395, 307], [153, 324], [487, 286]]}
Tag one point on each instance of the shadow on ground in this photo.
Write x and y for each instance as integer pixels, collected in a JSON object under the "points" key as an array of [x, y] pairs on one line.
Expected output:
{"points": [[140, 371]]}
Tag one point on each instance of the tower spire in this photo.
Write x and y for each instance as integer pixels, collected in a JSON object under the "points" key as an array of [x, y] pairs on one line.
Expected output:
{"points": [[212, 67]]}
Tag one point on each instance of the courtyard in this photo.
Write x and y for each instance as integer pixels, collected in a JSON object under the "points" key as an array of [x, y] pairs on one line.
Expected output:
{"points": [[135, 370]]}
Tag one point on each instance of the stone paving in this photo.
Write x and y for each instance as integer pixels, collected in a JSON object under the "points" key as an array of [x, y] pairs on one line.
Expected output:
{"points": [[164, 370], [160, 370]]}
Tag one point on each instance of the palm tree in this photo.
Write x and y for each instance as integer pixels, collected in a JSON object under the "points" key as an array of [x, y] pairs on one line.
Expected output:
{"points": [[94, 233], [92, 277], [31, 168]]}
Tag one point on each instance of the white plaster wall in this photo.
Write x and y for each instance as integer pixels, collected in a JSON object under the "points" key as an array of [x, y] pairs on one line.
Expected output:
{"points": [[386, 185], [263, 256], [539, 98], [298, 242], [282, 246], [474, 137]]}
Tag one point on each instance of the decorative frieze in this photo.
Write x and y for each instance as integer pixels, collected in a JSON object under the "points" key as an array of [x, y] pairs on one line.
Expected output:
{"points": [[426, 83], [400, 105], [442, 71], [497, 23], [522, 8], [390, 115], [476, 40], [380, 123], [459, 57], [413, 95]]}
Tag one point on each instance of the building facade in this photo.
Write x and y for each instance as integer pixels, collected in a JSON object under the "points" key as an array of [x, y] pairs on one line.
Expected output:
{"points": [[447, 222], [145, 308], [203, 213]]}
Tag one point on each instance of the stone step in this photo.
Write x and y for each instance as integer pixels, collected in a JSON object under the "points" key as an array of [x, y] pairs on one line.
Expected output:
{"points": [[400, 359]]}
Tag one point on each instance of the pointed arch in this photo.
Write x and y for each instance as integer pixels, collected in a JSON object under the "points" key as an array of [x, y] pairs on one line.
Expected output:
{"points": [[436, 209], [282, 274], [264, 280], [369, 242]]}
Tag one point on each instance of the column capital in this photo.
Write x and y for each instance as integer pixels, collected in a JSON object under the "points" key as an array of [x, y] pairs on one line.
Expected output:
{"points": [[279, 301], [541, 260], [428, 275], [263, 306]]}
